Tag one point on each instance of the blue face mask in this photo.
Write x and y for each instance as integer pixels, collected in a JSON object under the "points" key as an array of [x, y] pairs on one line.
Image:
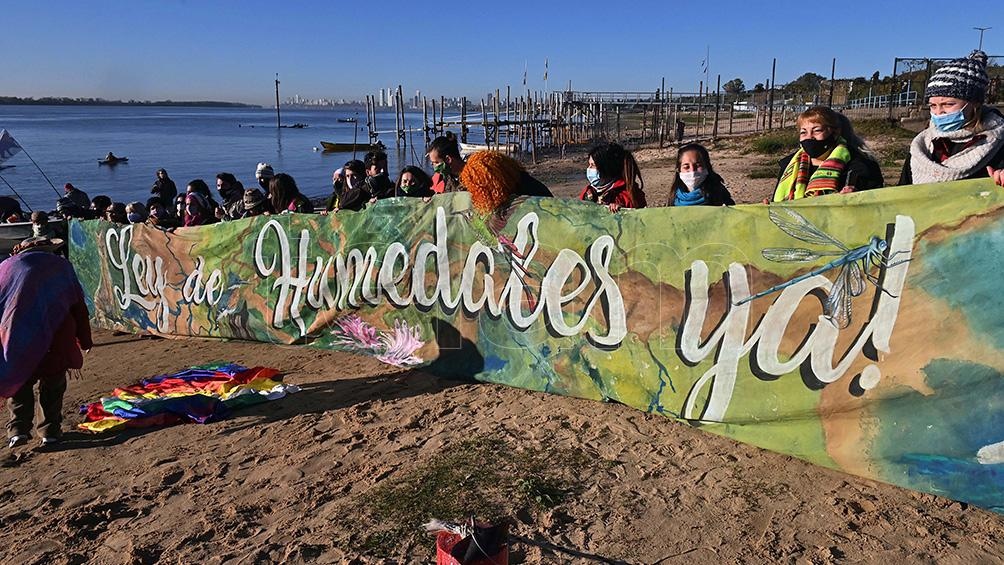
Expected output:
{"points": [[593, 176], [950, 122]]}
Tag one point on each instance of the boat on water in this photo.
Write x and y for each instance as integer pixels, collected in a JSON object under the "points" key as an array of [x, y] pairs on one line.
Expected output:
{"points": [[12, 234], [113, 161], [347, 120], [338, 147], [468, 148]]}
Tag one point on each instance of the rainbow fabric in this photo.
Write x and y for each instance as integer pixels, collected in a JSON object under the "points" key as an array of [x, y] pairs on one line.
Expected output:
{"points": [[201, 394]]}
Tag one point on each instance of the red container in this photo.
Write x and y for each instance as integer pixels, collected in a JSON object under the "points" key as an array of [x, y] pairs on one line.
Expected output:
{"points": [[445, 542]]}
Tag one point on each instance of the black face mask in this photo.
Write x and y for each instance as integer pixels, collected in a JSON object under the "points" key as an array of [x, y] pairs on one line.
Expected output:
{"points": [[817, 147]]}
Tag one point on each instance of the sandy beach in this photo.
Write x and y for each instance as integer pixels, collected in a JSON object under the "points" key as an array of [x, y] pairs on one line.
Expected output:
{"points": [[347, 470], [307, 478]]}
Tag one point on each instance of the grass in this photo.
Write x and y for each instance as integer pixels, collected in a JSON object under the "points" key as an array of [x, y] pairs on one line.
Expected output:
{"points": [[774, 143], [767, 170], [881, 127], [486, 476]]}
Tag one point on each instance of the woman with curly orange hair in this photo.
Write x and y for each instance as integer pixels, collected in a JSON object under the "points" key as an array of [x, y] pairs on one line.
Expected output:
{"points": [[494, 179]]}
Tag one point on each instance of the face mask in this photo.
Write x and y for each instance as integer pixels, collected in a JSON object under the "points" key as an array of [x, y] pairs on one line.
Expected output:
{"points": [[593, 176], [440, 167], [134, 218], [817, 147], [950, 122], [36, 230], [693, 179]]}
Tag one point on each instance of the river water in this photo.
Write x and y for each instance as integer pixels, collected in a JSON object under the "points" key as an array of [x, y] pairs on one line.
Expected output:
{"points": [[67, 141]]}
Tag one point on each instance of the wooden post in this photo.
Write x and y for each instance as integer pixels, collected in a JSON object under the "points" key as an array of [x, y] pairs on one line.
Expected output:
{"points": [[442, 115], [732, 108], [718, 106], [278, 118], [833, 73], [770, 110], [425, 119], [496, 112]]}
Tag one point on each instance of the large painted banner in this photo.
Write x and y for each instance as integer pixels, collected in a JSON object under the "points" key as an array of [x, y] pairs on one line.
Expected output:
{"points": [[861, 332]]}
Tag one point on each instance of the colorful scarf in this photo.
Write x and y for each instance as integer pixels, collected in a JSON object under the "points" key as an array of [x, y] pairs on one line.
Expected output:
{"points": [[689, 198], [796, 183]]}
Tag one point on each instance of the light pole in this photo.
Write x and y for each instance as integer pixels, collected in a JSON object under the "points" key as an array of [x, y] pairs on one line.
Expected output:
{"points": [[981, 30]]}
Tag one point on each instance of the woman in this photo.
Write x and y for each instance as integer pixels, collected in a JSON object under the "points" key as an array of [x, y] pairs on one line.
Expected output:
{"points": [[830, 159], [349, 184], [614, 178], [200, 209], [136, 213], [286, 197], [117, 213], [696, 181], [965, 139], [413, 182]]}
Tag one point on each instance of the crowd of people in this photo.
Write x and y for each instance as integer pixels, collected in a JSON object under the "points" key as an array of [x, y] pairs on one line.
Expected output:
{"points": [[965, 139]]}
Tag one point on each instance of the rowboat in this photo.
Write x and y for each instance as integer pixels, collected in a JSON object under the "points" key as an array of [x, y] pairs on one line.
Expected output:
{"points": [[338, 147], [112, 162], [347, 120], [12, 234]]}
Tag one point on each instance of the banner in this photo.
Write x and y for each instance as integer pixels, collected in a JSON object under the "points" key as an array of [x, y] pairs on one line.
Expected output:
{"points": [[861, 332]]}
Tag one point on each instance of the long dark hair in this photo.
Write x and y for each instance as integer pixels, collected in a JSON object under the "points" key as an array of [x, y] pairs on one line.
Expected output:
{"points": [[422, 179], [705, 157], [282, 191], [613, 162]]}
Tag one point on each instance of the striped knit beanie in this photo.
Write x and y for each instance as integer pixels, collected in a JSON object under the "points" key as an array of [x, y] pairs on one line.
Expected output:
{"points": [[965, 79]]}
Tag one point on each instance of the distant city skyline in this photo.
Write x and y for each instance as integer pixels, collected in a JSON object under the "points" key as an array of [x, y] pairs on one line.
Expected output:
{"points": [[231, 51]]}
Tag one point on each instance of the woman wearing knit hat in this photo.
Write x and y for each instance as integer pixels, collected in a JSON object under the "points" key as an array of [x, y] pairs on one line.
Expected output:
{"points": [[965, 139]]}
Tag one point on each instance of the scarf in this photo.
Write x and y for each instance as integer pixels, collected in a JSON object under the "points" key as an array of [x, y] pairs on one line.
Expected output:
{"points": [[604, 194], [796, 183], [689, 198], [926, 168]]}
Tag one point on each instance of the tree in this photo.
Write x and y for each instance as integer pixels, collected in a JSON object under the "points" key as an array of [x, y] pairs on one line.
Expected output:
{"points": [[735, 86], [805, 84], [759, 87]]}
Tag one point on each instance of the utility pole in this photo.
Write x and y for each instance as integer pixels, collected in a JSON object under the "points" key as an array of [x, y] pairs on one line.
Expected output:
{"points": [[981, 30], [278, 119]]}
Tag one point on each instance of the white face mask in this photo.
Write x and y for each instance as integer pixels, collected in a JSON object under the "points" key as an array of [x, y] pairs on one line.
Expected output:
{"points": [[693, 179]]}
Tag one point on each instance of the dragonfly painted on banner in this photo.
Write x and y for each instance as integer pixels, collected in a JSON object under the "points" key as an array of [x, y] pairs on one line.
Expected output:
{"points": [[854, 263]]}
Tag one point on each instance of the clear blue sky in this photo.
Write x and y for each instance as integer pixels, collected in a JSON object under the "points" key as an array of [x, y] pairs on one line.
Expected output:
{"points": [[186, 50]]}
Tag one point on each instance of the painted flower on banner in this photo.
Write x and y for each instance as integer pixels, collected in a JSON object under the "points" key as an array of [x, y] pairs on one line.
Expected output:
{"points": [[400, 345], [396, 347]]}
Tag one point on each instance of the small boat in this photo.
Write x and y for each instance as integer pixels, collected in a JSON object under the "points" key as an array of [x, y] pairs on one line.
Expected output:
{"points": [[113, 162], [333, 147], [468, 148], [347, 120], [294, 126]]}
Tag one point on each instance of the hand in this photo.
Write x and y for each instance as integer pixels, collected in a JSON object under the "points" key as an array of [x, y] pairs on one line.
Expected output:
{"points": [[426, 199], [324, 212], [373, 200], [847, 189], [614, 206], [765, 201], [997, 175]]}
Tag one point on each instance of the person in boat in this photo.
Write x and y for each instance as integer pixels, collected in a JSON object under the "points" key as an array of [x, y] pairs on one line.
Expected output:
{"points": [[164, 189], [232, 192], [111, 158], [67, 209], [286, 197], [447, 164], [10, 210], [696, 182], [965, 138], [413, 182], [263, 173], [830, 159], [200, 208], [349, 188], [45, 328], [378, 181], [614, 178], [136, 212], [79, 197]]}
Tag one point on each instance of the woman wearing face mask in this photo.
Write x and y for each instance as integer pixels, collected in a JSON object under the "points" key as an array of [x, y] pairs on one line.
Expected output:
{"points": [[614, 178], [965, 139], [696, 182], [350, 192], [830, 159]]}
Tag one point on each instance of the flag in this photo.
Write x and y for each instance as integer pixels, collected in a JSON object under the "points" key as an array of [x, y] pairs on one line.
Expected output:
{"points": [[545, 69], [524, 73], [8, 146]]}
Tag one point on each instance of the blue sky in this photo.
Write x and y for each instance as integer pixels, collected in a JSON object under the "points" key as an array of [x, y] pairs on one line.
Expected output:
{"points": [[187, 50]]}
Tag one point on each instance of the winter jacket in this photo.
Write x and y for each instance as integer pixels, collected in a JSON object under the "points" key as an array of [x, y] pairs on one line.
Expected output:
{"points": [[617, 193], [860, 172], [714, 189]]}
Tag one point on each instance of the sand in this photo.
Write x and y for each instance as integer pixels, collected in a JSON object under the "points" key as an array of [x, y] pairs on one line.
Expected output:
{"points": [[337, 472], [284, 481]]}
